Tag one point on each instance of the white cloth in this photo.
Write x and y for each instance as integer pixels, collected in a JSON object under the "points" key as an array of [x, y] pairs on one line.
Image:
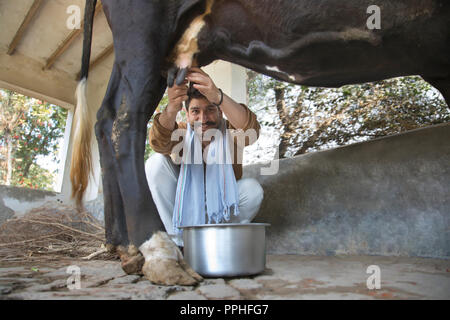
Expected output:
{"points": [[162, 177], [221, 197]]}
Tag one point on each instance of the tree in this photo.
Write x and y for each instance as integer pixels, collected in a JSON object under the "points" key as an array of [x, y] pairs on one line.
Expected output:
{"points": [[318, 118], [12, 109], [148, 150], [29, 128]]}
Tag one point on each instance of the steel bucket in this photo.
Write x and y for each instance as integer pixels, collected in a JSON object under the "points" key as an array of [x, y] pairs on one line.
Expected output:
{"points": [[227, 249]]}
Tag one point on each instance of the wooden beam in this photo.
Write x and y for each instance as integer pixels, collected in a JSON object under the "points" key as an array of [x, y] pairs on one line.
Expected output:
{"points": [[69, 40], [102, 56], [23, 27]]}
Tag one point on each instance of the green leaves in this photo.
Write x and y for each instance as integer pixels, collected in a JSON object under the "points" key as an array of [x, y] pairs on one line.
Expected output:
{"points": [[320, 118], [29, 128]]}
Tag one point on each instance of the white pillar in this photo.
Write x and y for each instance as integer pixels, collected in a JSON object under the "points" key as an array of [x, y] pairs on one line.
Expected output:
{"points": [[64, 154], [231, 78]]}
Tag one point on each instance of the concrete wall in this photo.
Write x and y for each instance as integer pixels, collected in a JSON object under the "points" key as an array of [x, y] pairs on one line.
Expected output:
{"points": [[389, 196], [15, 202]]}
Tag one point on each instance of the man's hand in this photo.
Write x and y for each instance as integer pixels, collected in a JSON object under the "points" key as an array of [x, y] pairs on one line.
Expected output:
{"points": [[204, 84], [177, 94]]}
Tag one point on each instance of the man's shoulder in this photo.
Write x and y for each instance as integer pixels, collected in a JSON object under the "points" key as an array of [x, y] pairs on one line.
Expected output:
{"points": [[182, 125], [228, 124]]}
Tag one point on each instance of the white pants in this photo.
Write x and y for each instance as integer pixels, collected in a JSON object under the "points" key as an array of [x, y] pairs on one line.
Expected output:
{"points": [[162, 177]]}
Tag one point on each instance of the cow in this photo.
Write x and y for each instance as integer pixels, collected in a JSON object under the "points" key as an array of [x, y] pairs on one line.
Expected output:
{"points": [[326, 43]]}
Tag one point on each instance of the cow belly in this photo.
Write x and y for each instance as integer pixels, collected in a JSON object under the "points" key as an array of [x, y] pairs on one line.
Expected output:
{"points": [[185, 49], [324, 43]]}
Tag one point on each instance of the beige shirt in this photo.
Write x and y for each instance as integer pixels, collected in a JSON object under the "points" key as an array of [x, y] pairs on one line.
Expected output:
{"points": [[160, 138]]}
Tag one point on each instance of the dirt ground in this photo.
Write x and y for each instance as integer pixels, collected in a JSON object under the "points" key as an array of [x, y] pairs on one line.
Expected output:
{"points": [[286, 277]]}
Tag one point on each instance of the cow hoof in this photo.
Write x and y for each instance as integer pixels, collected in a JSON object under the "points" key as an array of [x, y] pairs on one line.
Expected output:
{"points": [[167, 272], [190, 271], [133, 264], [133, 250], [164, 262], [110, 248], [131, 259]]}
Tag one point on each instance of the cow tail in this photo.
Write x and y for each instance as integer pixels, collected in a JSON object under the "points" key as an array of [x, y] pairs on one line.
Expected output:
{"points": [[81, 164]]}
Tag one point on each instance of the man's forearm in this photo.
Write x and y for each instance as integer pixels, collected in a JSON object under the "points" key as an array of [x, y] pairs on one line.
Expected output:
{"points": [[235, 113], [167, 119]]}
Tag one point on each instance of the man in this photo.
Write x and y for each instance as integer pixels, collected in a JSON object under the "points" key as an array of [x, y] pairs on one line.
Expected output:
{"points": [[205, 105]]}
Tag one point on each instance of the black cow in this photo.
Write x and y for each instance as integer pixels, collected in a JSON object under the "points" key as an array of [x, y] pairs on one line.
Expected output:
{"points": [[310, 42]]}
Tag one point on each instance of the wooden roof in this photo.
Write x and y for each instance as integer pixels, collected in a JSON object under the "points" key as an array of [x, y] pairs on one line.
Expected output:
{"points": [[41, 57]]}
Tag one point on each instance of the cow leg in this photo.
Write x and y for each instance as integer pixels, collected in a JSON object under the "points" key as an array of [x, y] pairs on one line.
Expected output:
{"points": [[134, 91], [119, 138], [129, 132], [115, 223], [130, 214], [135, 88]]}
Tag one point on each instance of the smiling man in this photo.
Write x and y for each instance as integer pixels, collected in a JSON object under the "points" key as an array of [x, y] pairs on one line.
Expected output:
{"points": [[210, 192]]}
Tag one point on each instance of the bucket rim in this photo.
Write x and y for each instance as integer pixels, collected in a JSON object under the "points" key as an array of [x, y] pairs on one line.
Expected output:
{"points": [[221, 225]]}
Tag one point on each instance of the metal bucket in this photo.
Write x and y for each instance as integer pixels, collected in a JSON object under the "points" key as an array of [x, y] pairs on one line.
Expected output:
{"points": [[227, 249]]}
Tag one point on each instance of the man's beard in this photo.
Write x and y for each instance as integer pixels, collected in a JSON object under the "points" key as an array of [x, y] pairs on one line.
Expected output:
{"points": [[207, 125]]}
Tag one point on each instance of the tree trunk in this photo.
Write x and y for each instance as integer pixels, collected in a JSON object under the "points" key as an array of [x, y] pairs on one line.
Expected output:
{"points": [[9, 147], [311, 142], [251, 75], [27, 168], [289, 122], [283, 114]]}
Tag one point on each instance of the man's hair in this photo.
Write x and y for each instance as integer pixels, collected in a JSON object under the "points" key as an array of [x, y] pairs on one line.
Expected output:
{"points": [[193, 93]]}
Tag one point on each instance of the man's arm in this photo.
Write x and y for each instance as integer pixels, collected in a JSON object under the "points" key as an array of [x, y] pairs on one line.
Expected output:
{"points": [[160, 138], [235, 113], [164, 123], [250, 131], [167, 119], [176, 95]]}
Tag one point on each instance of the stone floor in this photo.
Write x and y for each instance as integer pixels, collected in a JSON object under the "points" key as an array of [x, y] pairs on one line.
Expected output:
{"points": [[285, 277]]}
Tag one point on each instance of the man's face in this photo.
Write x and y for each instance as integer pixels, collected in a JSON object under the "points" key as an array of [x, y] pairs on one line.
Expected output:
{"points": [[203, 111]]}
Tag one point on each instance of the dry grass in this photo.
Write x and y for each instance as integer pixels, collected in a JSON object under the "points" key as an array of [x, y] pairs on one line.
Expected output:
{"points": [[50, 233]]}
